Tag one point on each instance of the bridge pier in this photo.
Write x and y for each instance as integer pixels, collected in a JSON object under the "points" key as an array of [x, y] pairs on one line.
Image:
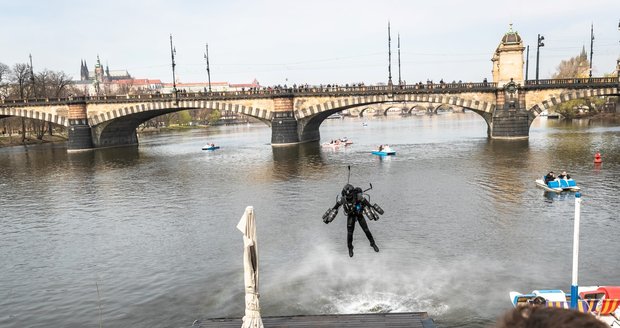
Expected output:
{"points": [[284, 126], [284, 129], [510, 124], [80, 133], [510, 120]]}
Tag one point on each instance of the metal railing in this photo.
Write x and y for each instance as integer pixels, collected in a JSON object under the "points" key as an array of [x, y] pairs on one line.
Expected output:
{"points": [[329, 90], [578, 81]]}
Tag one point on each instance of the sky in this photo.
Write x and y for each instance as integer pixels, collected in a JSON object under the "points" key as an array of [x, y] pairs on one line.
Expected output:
{"points": [[298, 42]]}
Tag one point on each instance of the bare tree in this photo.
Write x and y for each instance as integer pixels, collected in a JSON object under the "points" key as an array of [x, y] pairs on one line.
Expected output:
{"points": [[20, 76], [577, 66], [5, 71], [38, 127], [41, 80], [126, 87], [61, 83], [53, 84]]}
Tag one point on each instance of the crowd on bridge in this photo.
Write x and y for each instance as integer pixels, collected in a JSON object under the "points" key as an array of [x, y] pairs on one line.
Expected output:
{"points": [[353, 87], [331, 88], [298, 89]]}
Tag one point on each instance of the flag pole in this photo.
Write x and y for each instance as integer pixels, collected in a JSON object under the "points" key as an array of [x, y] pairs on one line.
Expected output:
{"points": [[574, 285]]}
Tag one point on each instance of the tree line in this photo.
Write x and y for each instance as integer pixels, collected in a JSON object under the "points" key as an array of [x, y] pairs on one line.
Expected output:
{"points": [[578, 67], [21, 82]]}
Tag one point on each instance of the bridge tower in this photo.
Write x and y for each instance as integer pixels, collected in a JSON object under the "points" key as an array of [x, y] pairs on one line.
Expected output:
{"points": [[510, 119], [508, 59]]}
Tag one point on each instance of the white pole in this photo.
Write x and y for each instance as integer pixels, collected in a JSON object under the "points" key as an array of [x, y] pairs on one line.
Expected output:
{"points": [[574, 289]]}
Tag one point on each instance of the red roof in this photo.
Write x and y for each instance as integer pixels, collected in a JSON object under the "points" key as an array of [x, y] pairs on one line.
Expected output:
{"points": [[138, 81], [206, 84], [244, 85], [202, 84]]}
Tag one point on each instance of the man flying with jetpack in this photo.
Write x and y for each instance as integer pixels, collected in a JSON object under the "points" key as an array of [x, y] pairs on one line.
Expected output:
{"points": [[356, 206]]}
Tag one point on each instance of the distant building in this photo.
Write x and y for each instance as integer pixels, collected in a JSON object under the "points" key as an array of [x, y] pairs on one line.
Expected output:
{"points": [[100, 74], [215, 86], [105, 82]]}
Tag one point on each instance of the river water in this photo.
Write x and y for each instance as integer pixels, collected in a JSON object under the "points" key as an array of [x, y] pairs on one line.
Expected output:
{"points": [[145, 236]]}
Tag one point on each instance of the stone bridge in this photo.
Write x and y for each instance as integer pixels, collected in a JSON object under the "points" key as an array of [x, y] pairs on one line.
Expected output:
{"points": [[295, 115]]}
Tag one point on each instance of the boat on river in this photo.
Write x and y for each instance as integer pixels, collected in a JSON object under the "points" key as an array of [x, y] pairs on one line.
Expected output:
{"points": [[335, 116], [558, 185], [342, 142], [384, 151], [210, 147], [601, 301]]}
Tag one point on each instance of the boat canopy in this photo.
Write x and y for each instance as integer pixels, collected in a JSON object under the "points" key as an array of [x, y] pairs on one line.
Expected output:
{"points": [[551, 294], [602, 292]]}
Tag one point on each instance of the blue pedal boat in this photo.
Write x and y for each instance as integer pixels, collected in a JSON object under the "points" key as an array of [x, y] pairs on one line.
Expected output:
{"points": [[210, 147], [558, 185]]}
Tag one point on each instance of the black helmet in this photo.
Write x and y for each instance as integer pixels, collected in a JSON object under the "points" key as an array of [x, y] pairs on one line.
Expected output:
{"points": [[347, 191], [358, 192]]}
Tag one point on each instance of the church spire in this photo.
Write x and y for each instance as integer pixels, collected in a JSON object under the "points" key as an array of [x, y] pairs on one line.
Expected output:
{"points": [[82, 75], [583, 55], [86, 71]]}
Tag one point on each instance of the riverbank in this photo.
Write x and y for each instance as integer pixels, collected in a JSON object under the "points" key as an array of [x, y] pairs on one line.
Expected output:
{"points": [[603, 119], [614, 117], [16, 140]]}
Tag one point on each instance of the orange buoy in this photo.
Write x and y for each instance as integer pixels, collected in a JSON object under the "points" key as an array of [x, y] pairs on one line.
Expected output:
{"points": [[597, 158]]}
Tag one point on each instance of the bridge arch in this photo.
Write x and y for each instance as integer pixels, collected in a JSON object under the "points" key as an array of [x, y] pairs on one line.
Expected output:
{"points": [[365, 109], [55, 116], [118, 125], [311, 117], [555, 99], [393, 106], [443, 108], [418, 106], [164, 107], [340, 104]]}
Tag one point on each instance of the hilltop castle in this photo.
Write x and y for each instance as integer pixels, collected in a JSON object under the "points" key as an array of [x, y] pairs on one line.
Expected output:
{"points": [[100, 74]]}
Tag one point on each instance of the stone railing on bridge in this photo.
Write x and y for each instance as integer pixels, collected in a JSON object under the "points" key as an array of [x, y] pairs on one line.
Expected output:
{"points": [[275, 92], [269, 92], [584, 82]]}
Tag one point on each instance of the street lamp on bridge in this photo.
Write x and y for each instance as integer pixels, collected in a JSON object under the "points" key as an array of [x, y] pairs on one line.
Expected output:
{"points": [[389, 56], [527, 62], [32, 77], [208, 71], [538, 45], [591, 47], [173, 51]]}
